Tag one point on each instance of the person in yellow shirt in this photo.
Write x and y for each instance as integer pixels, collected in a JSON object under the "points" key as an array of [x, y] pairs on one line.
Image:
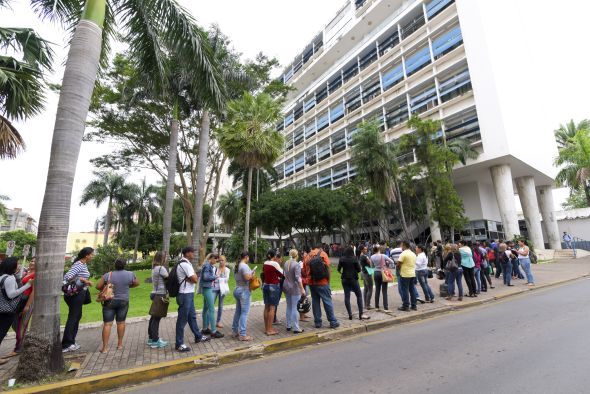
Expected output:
{"points": [[407, 267]]}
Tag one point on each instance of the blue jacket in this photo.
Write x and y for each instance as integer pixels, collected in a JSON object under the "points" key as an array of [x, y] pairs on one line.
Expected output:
{"points": [[207, 275]]}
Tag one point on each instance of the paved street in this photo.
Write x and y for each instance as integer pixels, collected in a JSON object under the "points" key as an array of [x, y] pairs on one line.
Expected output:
{"points": [[535, 343]]}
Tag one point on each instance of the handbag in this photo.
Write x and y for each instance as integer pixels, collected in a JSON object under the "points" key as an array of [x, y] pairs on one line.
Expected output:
{"points": [[71, 287], [452, 265], [254, 283], [160, 305], [107, 293], [87, 298], [8, 305], [386, 275]]}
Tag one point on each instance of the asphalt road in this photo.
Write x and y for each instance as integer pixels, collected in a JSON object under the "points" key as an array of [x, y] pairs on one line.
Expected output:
{"points": [[536, 343]]}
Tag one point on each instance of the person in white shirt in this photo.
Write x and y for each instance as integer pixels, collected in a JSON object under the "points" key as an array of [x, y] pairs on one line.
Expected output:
{"points": [[186, 300], [567, 239], [422, 273]]}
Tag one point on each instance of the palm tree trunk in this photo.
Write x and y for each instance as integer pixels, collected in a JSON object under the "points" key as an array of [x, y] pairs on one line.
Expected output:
{"points": [[167, 222], [200, 184], [42, 355], [248, 198], [400, 205], [107, 222], [136, 245], [203, 246]]}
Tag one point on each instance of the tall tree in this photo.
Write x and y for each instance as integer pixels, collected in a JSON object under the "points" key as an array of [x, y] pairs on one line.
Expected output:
{"points": [[21, 83], [151, 27], [568, 130], [110, 187], [574, 163], [229, 208], [143, 204], [249, 138]]}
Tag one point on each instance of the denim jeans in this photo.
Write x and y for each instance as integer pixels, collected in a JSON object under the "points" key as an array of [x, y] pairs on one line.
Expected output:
{"points": [[219, 298], [422, 276], [526, 266], [208, 309], [352, 286], [408, 292], [292, 313], [368, 289], [242, 296], [516, 269], [75, 304], [457, 277], [507, 272], [186, 314], [323, 294], [477, 272]]}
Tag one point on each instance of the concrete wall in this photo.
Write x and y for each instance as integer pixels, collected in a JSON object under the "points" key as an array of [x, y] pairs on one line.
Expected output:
{"points": [[479, 201]]}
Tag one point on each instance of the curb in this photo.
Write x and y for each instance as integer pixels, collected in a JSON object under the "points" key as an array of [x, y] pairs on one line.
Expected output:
{"points": [[160, 370]]}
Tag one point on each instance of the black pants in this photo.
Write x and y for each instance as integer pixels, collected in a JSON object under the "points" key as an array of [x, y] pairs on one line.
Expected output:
{"points": [[485, 275], [154, 328], [6, 320], [469, 274], [352, 286], [498, 268], [379, 287], [75, 304]]}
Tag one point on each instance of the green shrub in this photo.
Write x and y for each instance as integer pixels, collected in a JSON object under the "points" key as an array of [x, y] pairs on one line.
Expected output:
{"points": [[104, 259]]}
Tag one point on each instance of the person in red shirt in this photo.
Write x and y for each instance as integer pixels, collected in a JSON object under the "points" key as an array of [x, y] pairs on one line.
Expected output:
{"points": [[271, 290], [319, 287], [23, 318]]}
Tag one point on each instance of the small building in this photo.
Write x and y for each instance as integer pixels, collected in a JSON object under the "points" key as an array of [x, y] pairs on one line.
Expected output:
{"points": [[16, 219]]}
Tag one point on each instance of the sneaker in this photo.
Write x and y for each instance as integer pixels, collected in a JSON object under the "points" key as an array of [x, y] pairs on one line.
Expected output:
{"points": [[150, 342], [183, 348], [70, 348], [204, 338], [158, 344], [217, 335], [75, 347], [206, 331], [334, 326]]}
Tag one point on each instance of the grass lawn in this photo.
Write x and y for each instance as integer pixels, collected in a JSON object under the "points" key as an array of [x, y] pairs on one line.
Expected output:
{"points": [[140, 302]]}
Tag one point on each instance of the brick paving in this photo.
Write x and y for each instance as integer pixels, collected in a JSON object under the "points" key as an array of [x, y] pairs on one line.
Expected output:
{"points": [[135, 353]]}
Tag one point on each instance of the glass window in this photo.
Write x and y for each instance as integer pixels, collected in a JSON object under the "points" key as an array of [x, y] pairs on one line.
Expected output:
{"points": [[352, 172], [392, 76], [309, 104], [350, 72], [388, 43], [371, 89], [322, 121], [417, 61], [289, 142], [322, 94], [281, 125], [463, 125], [288, 119], [325, 179], [351, 131], [335, 83], [338, 142], [353, 100], [436, 6], [396, 113], [289, 168], [423, 100], [310, 129], [336, 112], [455, 86], [298, 136], [413, 25], [368, 58], [311, 156], [339, 175], [298, 112], [280, 169], [288, 75], [447, 42], [311, 181], [324, 149], [299, 162]]}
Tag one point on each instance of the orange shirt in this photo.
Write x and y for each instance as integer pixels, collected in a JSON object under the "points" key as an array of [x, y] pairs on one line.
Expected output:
{"points": [[307, 272]]}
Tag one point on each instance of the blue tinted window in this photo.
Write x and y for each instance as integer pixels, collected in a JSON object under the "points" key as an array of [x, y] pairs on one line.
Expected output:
{"points": [[417, 61]]}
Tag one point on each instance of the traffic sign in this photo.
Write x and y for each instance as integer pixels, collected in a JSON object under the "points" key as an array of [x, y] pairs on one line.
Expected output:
{"points": [[10, 248]]}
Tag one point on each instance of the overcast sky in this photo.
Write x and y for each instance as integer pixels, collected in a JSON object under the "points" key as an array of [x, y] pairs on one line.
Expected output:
{"points": [[280, 28]]}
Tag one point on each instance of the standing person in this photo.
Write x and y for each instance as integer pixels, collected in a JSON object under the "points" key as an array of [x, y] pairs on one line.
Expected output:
{"points": [[468, 267], [279, 261], [271, 290], [477, 259], [79, 275], [116, 308], [243, 276], [305, 251], [516, 273], [494, 246], [407, 268], [349, 268], [316, 268], [504, 257], [220, 287], [208, 277], [452, 263], [294, 291], [367, 278], [10, 290], [159, 277], [422, 273], [381, 262], [23, 318], [567, 239], [486, 267], [525, 261], [186, 301]]}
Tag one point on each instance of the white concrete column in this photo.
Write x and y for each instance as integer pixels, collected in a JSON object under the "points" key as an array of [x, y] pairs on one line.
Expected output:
{"points": [[528, 200], [545, 199], [502, 180], [435, 234]]}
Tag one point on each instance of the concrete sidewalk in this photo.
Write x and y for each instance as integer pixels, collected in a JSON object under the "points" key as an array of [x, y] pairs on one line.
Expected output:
{"points": [[135, 353]]}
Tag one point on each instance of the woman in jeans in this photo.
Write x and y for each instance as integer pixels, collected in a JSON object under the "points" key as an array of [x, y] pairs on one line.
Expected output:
{"points": [[208, 277], [159, 277], [79, 275], [116, 308], [294, 291], [468, 267], [367, 279], [271, 290], [525, 262], [422, 273], [454, 275], [349, 268], [222, 273], [380, 262], [505, 262], [243, 276], [477, 268]]}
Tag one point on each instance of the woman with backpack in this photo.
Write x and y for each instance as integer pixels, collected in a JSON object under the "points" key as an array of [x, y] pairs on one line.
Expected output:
{"points": [[208, 277], [11, 295], [452, 262], [159, 277], [294, 291], [77, 282], [271, 290], [349, 268], [504, 256], [243, 276]]}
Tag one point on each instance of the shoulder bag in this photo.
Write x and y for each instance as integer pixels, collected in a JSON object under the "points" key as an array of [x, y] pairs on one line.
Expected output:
{"points": [[386, 274], [8, 305], [107, 293], [254, 282], [160, 303]]}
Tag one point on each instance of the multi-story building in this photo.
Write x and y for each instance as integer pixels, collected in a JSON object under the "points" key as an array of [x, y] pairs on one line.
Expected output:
{"points": [[16, 219], [463, 62]]}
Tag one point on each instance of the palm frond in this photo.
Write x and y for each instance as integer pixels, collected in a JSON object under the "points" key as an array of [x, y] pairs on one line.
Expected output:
{"points": [[11, 143]]}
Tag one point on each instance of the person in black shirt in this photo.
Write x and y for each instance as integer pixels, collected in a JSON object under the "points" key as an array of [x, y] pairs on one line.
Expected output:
{"points": [[367, 277], [349, 268]]}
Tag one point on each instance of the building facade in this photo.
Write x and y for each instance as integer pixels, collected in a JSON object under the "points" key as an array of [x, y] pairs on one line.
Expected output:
{"points": [[16, 219], [461, 62]]}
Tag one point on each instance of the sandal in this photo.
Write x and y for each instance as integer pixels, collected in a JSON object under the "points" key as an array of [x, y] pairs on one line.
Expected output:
{"points": [[272, 333], [11, 354], [3, 361], [245, 338], [219, 325]]}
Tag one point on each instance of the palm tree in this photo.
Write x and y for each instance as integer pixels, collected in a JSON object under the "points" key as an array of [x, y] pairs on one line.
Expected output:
{"points": [[21, 83], [3, 208], [569, 130], [376, 162], [462, 150], [250, 139], [108, 186], [229, 208], [142, 202], [574, 160], [152, 28]]}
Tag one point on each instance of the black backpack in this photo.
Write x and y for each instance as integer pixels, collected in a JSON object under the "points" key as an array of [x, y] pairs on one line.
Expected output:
{"points": [[173, 285], [318, 269]]}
